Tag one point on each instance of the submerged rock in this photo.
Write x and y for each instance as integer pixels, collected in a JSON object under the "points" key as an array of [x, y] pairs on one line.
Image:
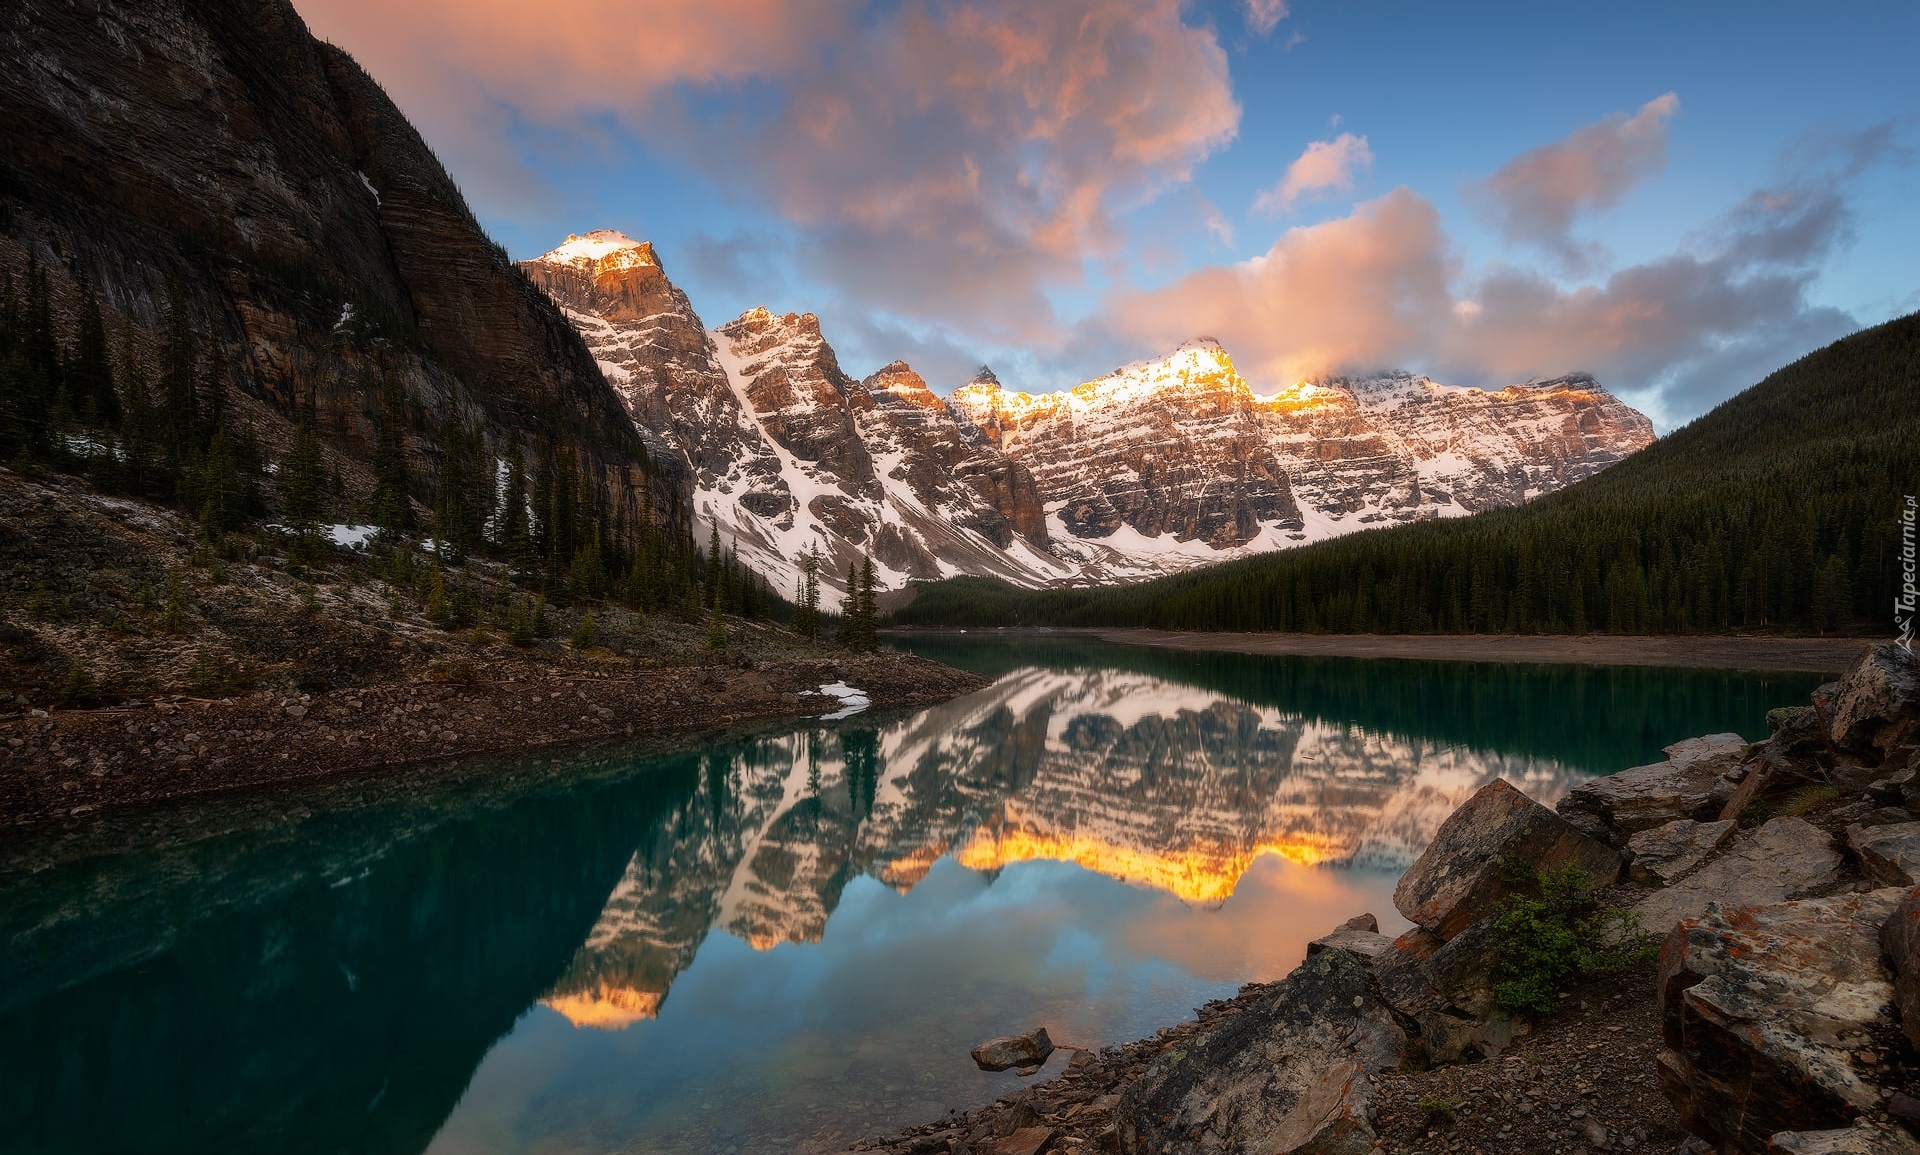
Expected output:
{"points": [[1760, 1010], [1690, 783], [1288, 1074], [1467, 869], [1009, 1051], [1788, 858]]}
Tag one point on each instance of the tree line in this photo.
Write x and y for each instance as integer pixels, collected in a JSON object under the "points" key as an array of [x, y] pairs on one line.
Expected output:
{"points": [[1777, 511]]}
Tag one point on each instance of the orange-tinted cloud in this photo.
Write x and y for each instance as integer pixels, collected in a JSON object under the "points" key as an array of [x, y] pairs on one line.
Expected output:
{"points": [[947, 159], [1326, 166], [1367, 289], [1536, 196], [1378, 289]]}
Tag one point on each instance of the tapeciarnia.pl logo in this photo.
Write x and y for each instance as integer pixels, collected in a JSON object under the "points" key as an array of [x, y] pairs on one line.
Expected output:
{"points": [[1903, 604]]}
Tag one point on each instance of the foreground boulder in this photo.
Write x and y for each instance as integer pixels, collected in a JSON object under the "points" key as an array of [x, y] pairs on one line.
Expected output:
{"points": [[1877, 706], [1760, 1010], [1025, 1052], [1900, 942], [1446, 988], [1693, 782], [1861, 1139], [1288, 1075], [1664, 853], [1788, 858], [1467, 869], [1889, 854]]}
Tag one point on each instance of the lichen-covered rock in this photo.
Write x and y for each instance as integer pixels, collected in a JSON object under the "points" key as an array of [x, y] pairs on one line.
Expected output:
{"points": [[1788, 858], [1860, 1139], [1288, 1075], [1467, 868], [1666, 852], [1900, 943], [1877, 706], [1889, 853], [1690, 783], [1760, 1008]]}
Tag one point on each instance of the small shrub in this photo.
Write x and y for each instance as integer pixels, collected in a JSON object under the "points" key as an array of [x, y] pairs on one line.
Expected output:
{"points": [[520, 628], [179, 613], [584, 635], [309, 599], [1439, 1108], [1552, 930], [716, 631], [1808, 799], [454, 670], [542, 626], [77, 688]]}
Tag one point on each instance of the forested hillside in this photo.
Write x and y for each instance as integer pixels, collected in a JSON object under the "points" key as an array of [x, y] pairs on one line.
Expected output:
{"points": [[1776, 511]]}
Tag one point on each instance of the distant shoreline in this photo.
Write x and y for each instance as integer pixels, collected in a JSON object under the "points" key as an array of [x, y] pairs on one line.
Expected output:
{"points": [[1707, 651]]}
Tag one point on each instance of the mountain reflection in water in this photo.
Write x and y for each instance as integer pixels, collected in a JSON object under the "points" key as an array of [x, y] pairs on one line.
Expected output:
{"points": [[775, 942]]}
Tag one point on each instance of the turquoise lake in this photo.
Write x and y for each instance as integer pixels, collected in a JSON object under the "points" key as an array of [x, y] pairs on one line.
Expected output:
{"points": [[781, 940]]}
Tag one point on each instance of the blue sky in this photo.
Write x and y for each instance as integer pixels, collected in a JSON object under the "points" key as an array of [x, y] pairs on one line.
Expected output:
{"points": [[1691, 194]]}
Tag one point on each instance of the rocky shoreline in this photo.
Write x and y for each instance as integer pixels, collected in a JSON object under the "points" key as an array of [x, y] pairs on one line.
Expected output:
{"points": [[67, 765], [1779, 880]]}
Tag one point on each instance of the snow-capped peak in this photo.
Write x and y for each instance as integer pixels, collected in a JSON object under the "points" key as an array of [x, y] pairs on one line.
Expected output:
{"points": [[609, 247]]}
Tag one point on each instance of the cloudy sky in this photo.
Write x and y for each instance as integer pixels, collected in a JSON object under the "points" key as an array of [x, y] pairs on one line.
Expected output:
{"points": [[1674, 197]]}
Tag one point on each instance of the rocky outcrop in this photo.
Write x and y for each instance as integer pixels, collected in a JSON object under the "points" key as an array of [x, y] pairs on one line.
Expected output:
{"points": [[1877, 706], [1860, 1139], [1761, 1009], [1691, 783], [320, 247], [1288, 1074], [1787, 858], [1900, 943], [1470, 864], [1889, 854], [1660, 855]]}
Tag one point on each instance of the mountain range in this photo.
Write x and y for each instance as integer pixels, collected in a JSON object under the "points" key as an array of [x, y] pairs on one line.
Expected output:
{"points": [[1158, 467]]}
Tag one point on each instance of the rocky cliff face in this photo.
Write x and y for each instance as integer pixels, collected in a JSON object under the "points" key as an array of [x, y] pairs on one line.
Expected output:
{"points": [[786, 451], [319, 245], [1157, 467], [1177, 462], [1401, 447]]}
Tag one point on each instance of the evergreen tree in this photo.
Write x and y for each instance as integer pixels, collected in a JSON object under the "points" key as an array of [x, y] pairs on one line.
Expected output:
{"points": [[178, 409], [806, 596], [303, 486], [89, 372], [515, 534], [392, 510]]}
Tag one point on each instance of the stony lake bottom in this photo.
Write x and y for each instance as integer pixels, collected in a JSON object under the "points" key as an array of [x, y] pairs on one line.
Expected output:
{"points": [[775, 941]]}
